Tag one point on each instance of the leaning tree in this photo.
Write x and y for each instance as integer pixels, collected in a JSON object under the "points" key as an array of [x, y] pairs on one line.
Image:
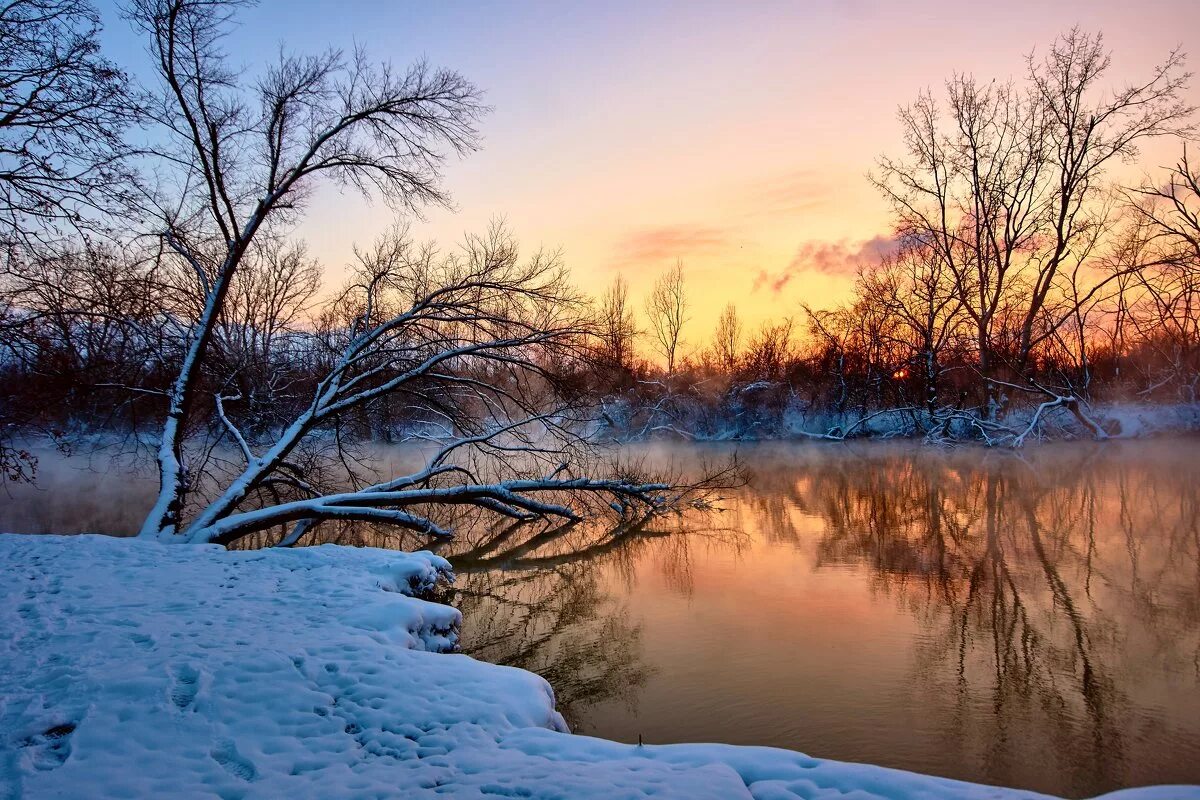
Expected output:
{"points": [[468, 344]]}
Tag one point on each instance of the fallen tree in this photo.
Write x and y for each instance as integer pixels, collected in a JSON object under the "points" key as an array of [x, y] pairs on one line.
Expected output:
{"points": [[468, 344]]}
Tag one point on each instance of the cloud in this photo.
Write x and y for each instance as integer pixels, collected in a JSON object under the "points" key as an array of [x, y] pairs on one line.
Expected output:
{"points": [[843, 258], [672, 241], [773, 282], [830, 258]]}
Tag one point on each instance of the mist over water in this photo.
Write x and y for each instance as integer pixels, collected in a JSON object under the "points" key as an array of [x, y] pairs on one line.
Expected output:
{"points": [[1030, 620]]}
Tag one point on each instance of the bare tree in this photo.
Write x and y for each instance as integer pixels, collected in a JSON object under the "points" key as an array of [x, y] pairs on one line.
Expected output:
{"points": [[464, 339], [74, 322], [63, 164], [666, 308], [916, 288], [727, 339], [316, 117], [1173, 208], [769, 351], [829, 335], [257, 351], [1009, 193], [1085, 133], [967, 190], [465, 353], [1162, 303], [617, 328], [63, 112]]}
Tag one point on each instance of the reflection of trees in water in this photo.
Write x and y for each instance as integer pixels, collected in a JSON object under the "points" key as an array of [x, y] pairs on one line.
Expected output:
{"points": [[550, 613], [1026, 596], [539, 596]]}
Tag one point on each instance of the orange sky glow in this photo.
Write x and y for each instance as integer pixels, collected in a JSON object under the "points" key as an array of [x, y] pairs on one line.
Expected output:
{"points": [[734, 136]]}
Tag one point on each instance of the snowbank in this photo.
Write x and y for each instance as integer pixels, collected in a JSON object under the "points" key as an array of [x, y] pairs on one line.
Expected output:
{"points": [[1135, 420], [737, 416], [135, 669]]}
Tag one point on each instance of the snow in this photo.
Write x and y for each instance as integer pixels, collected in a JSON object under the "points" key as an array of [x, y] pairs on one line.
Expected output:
{"points": [[133, 668], [1134, 420], [737, 416]]}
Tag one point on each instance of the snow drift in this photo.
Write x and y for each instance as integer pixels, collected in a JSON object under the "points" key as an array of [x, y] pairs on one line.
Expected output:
{"points": [[131, 668]]}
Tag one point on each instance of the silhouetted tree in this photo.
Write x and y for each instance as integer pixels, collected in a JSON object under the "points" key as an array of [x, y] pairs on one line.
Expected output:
{"points": [[667, 309], [1008, 191], [63, 111]]}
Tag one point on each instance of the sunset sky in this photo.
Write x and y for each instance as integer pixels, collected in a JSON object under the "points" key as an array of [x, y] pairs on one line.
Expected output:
{"points": [[735, 136]]}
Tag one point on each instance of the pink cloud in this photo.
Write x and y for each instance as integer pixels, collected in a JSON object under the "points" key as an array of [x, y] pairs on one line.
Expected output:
{"points": [[672, 241], [831, 258]]}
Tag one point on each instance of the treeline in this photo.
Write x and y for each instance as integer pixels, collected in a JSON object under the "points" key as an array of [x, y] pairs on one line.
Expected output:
{"points": [[1024, 277], [93, 338]]}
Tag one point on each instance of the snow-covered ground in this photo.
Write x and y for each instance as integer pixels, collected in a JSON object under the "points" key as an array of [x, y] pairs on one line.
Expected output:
{"points": [[736, 416], [135, 669]]}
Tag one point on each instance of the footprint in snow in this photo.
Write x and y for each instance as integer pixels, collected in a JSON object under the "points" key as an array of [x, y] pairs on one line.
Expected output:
{"points": [[142, 640], [226, 754], [185, 684], [52, 747]]}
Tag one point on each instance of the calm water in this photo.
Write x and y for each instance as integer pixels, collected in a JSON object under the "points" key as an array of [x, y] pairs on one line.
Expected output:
{"points": [[1031, 621]]}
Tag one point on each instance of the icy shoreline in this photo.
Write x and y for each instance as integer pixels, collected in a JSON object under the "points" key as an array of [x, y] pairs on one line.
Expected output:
{"points": [[795, 421], [132, 669]]}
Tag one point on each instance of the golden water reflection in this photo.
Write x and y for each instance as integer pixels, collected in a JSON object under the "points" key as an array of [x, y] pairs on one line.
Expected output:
{"points": [[1030, 621]]}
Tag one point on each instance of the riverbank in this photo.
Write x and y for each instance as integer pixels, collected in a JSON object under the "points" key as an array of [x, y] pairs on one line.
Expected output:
{"points": [[741, 415], [132, 669]]}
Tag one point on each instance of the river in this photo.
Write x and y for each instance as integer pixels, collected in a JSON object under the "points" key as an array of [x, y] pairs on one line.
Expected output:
{"points": [[1030, 620]]}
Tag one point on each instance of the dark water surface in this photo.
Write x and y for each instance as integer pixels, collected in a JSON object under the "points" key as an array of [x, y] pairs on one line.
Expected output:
{"points": [[1031, 621]]}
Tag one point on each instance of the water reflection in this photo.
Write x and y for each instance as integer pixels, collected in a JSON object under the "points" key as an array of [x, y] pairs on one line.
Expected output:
{"points": [[547, 612], [1030, 621], [1046, 610], [1056, 597], [540, 597]]}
